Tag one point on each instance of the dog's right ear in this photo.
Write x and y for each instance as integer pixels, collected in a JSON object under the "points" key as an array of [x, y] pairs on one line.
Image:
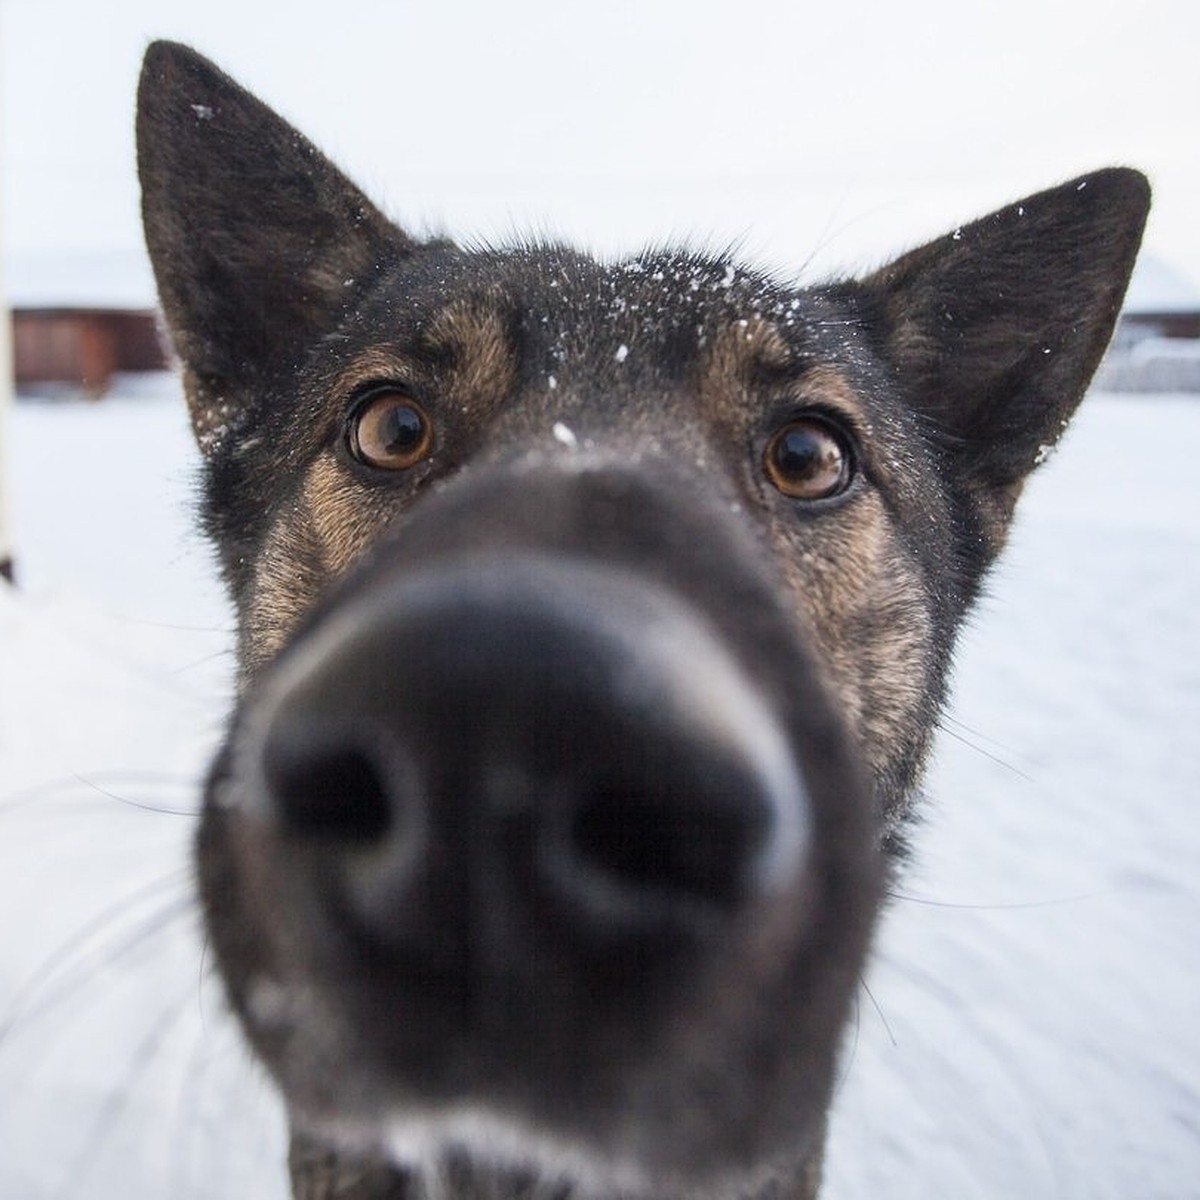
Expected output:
{"points": [[257, 240], [997, 328]]}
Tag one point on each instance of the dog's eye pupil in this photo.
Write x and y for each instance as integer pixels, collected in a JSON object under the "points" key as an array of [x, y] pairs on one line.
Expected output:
{"points": [[390, 430], [808, 460], [403, 428]]}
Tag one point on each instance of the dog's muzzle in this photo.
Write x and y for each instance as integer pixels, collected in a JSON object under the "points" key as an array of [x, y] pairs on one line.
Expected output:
{"points": [[554, 835]]}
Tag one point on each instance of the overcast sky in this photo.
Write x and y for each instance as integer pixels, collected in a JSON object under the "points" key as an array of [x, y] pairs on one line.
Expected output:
{"points": [[828, 134]]}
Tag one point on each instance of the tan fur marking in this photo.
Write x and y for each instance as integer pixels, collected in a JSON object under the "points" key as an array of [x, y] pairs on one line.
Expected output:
{"points": [[287, 583], [372, 366], [307, 548], [855, 577], [743, 349], [342, 519], [472, 334], [828, 385], [480, 368], [746, 351]]}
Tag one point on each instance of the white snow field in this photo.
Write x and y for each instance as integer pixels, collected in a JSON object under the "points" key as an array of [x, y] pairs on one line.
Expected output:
{"points": [[1030, 1026]]}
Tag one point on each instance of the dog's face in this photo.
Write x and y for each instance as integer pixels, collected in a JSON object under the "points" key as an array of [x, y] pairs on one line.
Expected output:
{"points": [[594, 622]]}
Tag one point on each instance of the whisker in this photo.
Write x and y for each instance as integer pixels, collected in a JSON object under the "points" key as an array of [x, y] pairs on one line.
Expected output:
{"points": [[129, 802], [828, 232], [146, 623], [188, 1108], [975, 733], [836, 229], [845, 1064], [879, 1011], [968, 741], [1053, 902], [203, 661], [119, 1095], [68, 960], [49, 789], [99, 781]]}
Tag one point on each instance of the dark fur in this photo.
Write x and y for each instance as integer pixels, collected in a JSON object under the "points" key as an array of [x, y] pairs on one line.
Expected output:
{"points": [[587, 981]]}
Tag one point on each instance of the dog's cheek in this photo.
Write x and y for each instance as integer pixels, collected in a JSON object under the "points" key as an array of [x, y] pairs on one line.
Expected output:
{"points": [[290, 574], [343, 519], [327, 529], [863, 604]]}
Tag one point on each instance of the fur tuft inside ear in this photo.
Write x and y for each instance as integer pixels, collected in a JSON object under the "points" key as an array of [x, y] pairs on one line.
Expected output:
{"points": [[257, 240], [997, 328]]}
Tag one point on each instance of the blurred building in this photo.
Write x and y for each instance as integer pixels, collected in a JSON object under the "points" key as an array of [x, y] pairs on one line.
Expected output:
{"points": [[1156, 347], [81, 318], [1160, 303]]}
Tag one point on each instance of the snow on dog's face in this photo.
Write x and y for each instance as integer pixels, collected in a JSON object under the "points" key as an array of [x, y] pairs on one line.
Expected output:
{"points": [[594, 622]]}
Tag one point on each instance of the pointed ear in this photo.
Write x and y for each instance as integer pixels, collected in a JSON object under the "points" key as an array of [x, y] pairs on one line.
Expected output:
{"points": [[257, 240], [997, 327]]}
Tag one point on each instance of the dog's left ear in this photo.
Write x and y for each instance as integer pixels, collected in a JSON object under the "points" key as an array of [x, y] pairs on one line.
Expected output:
{"points": [[258, 242], [997, 328]]}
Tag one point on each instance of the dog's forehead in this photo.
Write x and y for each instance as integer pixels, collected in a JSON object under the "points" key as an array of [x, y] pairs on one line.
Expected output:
{"points": [[658, 313]]}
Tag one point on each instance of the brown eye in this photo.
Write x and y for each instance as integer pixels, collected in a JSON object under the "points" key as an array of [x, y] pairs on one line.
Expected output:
{"points": [[390, 430], [808, 459]]}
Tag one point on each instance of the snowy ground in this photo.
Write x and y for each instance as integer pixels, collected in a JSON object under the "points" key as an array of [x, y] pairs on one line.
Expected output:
{"points": [[1031, 1026]]}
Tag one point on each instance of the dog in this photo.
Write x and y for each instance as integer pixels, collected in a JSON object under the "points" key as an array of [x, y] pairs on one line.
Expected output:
{"points": [[594, 621]]}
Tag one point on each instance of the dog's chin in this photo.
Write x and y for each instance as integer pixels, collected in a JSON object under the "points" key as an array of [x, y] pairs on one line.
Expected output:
{"points": [[492, 1144], [497, 1148], [659, 1140], [639, 1133]]}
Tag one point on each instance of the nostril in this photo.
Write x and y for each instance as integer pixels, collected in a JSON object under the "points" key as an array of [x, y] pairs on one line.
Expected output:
{"points": [[328, 787], [683, 845]]}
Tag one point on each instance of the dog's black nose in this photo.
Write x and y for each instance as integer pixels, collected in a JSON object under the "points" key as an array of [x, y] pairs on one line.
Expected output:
{"points": [[488, 756]]}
